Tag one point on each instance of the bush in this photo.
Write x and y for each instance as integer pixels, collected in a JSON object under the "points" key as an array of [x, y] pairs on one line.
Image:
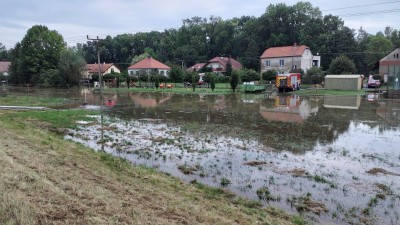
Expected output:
{"points": [[314, 75], [248, 75], [222, 79], [342, 65], [269, 75], [234, 80]]}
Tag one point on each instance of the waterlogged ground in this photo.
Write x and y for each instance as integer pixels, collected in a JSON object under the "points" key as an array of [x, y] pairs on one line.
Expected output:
{"points": [[335, 159]]}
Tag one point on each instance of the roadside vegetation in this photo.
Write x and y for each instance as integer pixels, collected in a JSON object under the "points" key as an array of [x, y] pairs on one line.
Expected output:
{"points": [[46, 180]]}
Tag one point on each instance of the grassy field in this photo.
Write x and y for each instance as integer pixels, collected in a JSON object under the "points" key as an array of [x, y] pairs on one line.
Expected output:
{"points": [[47, 180], [16, 100]]}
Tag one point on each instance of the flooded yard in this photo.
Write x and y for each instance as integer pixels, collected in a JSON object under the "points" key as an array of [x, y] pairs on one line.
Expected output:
{"points": [[334, 158]]}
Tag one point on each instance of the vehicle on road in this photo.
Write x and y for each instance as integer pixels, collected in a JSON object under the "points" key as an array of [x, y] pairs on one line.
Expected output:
{"points": [[374, 81]]}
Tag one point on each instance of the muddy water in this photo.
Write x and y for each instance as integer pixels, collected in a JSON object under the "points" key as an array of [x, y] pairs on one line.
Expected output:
{"points": [[335, 159]]}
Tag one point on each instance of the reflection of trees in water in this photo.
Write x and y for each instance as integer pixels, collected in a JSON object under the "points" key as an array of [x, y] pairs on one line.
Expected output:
{"points": [[227, 114]]}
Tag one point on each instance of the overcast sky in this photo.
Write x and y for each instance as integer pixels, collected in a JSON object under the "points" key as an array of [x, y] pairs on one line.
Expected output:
{"points": [[74, 19]]}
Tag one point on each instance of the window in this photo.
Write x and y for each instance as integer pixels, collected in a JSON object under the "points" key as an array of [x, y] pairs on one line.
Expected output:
{"points": [[131, 72], [268, 63], [162, 72], [397, 56], [281, 62], [112, 70], [294, 67]]}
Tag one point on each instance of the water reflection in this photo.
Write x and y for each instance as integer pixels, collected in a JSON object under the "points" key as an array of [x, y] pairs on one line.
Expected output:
{"points": [[288, 108]]}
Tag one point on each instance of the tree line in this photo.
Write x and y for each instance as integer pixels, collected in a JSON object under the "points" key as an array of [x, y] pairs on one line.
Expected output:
{"points": [[200, 39]]}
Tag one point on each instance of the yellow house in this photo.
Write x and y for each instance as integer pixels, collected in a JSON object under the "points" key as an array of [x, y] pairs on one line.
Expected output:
{"points": [[105, 68]]}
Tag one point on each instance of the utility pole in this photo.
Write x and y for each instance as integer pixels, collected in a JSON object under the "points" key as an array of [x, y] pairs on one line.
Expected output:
{"points": [[97, 40]]}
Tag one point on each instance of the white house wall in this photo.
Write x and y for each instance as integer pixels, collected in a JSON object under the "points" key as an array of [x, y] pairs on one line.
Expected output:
{"points": [[116, 70], [306, 60], [289, 62]]}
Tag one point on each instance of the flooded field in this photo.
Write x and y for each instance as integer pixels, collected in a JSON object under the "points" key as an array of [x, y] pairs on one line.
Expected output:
{"points": [[335, 159]]}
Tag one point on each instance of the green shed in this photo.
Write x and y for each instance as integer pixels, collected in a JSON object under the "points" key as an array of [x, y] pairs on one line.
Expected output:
{"points": [[343, 82]]}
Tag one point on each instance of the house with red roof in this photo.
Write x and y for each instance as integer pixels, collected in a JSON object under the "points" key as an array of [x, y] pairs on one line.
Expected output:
{"points": [[105, 68], [285, 58], [218, 64], [4, 67], [196, 67], [149, 65]]}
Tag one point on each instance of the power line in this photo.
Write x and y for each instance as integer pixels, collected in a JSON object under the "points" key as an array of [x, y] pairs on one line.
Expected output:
{"points": [[358, 6], [369, 13]]}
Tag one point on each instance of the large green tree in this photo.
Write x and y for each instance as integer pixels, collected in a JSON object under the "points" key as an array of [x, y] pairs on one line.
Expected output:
{"points": [[3, 52], [70, 67], [377, 47], [176, 74], [39, 52], [342, 65], [245, 38]]}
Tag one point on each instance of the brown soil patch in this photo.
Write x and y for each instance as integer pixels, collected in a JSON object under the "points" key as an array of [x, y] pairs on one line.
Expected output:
{"points": [[375, 171], [108, 128], [307, 204], [298, 172], [254, 163]]}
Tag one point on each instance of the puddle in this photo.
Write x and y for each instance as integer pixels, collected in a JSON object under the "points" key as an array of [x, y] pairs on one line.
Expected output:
{"points": [[330, 183], [335, 159]]}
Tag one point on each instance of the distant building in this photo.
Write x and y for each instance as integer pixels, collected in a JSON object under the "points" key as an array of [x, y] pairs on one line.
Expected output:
{"points": [[105, 68], [390, 65], [196, 67], [4, 67], [284, 59], [219, 64], [149, 65]]}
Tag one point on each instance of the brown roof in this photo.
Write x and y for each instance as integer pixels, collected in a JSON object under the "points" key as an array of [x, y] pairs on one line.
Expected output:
{"points": [[224, 61], [4, 66], [149, 63], [285, 51], [94, 68], [196, 67]]}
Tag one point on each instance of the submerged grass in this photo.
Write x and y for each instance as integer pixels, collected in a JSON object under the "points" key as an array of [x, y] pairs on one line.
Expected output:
{"points": [[48, 180], [15, 100], [57, 118]]}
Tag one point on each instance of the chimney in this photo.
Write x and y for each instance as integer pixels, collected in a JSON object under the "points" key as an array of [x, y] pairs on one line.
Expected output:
{"points": [[295, 44]]}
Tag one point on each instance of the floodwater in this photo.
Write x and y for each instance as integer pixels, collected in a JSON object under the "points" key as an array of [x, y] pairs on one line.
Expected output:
{"points": [[334, 158]]}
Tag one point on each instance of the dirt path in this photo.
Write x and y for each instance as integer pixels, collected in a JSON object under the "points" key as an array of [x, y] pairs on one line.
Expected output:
{"points": [[46, 180]]}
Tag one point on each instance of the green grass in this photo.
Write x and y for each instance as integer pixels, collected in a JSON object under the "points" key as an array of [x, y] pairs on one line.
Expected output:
{"points": [[57, 118], [13, 100]]}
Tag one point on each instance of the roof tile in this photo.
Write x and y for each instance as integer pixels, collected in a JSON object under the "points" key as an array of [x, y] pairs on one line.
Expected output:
{"points": [[284, 51], [149, 63]]}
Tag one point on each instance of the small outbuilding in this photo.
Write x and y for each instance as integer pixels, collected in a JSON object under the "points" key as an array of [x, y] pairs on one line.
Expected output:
{"points": [[343, 82]]}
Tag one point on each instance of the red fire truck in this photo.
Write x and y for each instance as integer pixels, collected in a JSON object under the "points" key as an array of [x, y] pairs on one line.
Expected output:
{"points": [[288, 82]]}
